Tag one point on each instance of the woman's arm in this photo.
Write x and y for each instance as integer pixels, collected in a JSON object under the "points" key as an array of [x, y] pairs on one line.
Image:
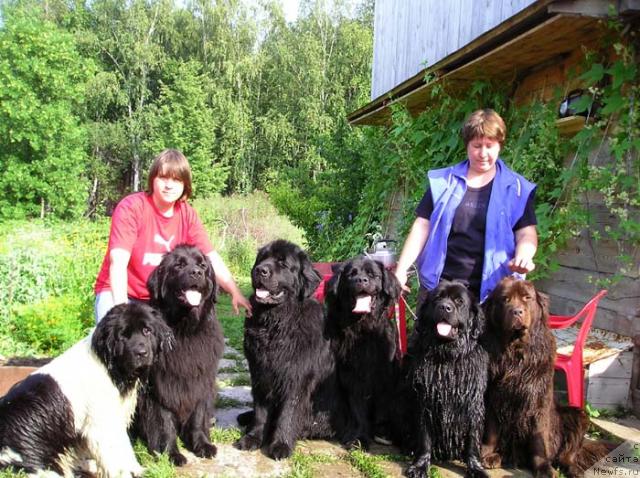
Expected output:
{"points": [[413, 245], [225, 280], [118, 261], [526, 247]]}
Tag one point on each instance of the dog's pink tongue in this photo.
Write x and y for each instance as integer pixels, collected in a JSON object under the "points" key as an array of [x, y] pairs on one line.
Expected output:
{"points": [[262, 293], [363, 304], [193, 297], [444, 329]]}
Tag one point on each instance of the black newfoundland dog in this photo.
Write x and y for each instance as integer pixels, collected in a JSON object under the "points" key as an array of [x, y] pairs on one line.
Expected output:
{"points": [[524, 425], [364, 340], [180, 398], [292, 368], [447, 369], [79, 406]]}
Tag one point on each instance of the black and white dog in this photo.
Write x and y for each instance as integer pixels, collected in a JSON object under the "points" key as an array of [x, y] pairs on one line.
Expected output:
{"points": [[79, 406]]}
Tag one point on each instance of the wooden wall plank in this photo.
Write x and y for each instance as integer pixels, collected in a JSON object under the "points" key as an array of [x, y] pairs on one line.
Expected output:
{"points": [[409, 32]]}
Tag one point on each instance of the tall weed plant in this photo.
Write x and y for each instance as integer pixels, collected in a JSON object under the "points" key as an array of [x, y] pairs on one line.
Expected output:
{"points": [[239, 224], [47, 271]]}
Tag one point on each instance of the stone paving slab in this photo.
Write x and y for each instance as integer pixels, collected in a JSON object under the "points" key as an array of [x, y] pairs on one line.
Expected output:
{"points": [[240, 393], [232, 463], [627, 428], [226, 417]]}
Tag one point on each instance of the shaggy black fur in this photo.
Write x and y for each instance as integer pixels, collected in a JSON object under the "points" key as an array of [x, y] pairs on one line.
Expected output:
{"points": [[179, 400], [36, 417], [364, 340], [524, 425], [292, 368], [447, 369]]}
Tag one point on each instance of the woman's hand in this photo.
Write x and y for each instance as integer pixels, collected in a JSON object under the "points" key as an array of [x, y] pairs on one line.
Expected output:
{"points": [[521, 265], [239, 300], [401, 275]]}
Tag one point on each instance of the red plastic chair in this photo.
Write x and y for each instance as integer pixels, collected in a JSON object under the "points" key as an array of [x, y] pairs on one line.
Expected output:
{"points": [[572, 365]]}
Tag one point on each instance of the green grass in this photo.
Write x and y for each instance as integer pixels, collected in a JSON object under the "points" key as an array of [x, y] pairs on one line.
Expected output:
{"points": [[224, 436], [366, 464], [232, 324], [156, 466], [302, 464], [224, 402]]}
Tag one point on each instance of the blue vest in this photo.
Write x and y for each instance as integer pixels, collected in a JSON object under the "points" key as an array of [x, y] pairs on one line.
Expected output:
{"points": [[509, 195]]}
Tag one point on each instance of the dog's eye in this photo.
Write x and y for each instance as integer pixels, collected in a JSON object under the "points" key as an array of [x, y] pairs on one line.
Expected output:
{"points": [[527, 298], [459, 301], [282, 263], [146, 331]]}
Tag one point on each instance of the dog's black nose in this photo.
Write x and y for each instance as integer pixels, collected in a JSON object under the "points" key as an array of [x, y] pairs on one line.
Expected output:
{"points": [[448, 308], [263, 271], [518, 312], [141, 351], [196, 272], [362, 280]]}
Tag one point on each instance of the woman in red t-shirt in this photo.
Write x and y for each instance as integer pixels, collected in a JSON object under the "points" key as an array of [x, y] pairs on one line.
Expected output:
{"points": [[147, 225]]}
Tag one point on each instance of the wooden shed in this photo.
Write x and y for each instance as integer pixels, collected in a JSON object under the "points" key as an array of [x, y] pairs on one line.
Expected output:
{"points": [[531, 46]]}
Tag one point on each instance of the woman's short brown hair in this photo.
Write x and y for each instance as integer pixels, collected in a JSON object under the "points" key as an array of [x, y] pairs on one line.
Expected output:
{"points": [[173, 164], [484, 123]]}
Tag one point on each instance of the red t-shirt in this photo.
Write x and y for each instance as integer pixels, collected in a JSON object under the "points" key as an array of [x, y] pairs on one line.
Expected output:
{"points": [[138, 227]]}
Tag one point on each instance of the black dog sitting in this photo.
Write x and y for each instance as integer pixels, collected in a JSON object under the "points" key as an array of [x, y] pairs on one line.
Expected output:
{"points": [[364, 341], [293, 377], [448, 370], [180, 398]]}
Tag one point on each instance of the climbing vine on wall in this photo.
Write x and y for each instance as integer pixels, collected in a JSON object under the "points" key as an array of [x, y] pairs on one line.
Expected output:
{"points": [[559, 166]]}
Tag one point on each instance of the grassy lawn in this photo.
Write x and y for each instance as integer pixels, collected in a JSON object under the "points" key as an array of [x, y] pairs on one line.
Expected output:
{"points": [[232, 324]]}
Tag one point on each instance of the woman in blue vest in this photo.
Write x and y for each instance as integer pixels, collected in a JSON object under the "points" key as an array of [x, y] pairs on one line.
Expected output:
{"points": [[476, 222]]}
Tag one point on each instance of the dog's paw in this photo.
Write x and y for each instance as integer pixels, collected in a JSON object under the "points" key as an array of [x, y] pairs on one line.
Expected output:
{"points": [[416, 471], [205, 450], [492, 460], [279, 450], [177, 458], [248, 442]]}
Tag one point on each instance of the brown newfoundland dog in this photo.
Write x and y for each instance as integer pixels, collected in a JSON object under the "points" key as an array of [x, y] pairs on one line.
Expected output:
{"points": [[524, 426], [364, 341], [179, 400]]}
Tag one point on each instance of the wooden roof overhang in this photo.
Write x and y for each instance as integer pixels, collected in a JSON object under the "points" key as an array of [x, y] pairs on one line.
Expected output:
{"points": [[543, 33]]}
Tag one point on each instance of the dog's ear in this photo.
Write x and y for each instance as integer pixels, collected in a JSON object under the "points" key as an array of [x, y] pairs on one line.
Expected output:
{"points": [[543, 303], [163, 333], [155, 283], [331, 287], [477, 317], [390, 285], [105, 341], [310, 279], [211, 275]]}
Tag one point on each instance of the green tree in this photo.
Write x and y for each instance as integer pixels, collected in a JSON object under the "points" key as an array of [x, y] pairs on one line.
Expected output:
{"points": [[42, 142], [182, 119]]}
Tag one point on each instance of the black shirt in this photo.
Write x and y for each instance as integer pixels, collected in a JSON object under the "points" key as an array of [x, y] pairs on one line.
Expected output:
{"points": [[465, 245]]}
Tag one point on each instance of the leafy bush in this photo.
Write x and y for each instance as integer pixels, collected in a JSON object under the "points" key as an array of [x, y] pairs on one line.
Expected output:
{"points": [[51, 326], [47, 269]]}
